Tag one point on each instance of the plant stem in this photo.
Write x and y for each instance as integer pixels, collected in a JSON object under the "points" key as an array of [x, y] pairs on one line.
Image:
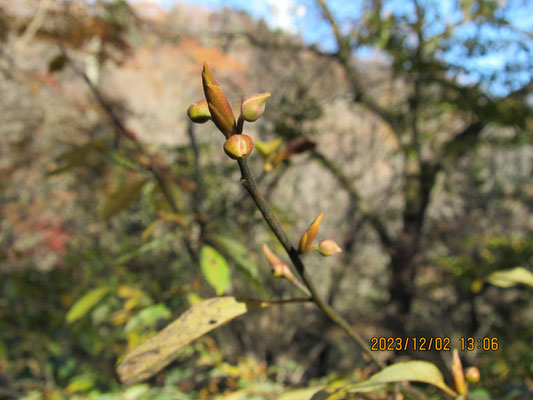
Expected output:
{"points": [[248, 181]]}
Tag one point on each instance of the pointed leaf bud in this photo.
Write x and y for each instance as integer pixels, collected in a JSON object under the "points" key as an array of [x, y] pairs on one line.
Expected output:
{"points": [[238, 146], [279, 268], [458, 375], [281, 271], [199, 112], [253, 106], [310, 234], [328, 247], [219, 107], [472, 374], [271, 257]]}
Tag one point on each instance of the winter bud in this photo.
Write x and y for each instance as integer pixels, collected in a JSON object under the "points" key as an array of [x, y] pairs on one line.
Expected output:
{"points": [[238, 146], [279, 268], [219, 107], [328, 247], [309, 235], [281, 271], [253, 106], [458, 374], [199, 112], [472, 374]]}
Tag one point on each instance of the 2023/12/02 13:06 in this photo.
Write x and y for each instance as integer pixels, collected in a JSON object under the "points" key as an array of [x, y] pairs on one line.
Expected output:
{"points": [[432, 343]]}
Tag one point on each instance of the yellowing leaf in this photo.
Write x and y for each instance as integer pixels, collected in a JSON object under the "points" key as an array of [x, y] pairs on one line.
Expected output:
{"points": [[76, 156], [174, 218], [417, 371], [83, 305], [150, 230], [193, 298], [160, 201], [300, 394], [157, 352], [119, 317], [215, 269], [80, 383], [125, 292], [511, 277], [123, 198]]}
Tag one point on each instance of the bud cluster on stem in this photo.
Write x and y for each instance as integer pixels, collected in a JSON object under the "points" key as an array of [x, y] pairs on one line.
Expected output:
{"points": [[216, 107], [239, 146], [326, 247]]}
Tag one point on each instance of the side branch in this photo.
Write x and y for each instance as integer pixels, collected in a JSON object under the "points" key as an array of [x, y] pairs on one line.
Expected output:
{"points": [[248, 181], [363, 208]]}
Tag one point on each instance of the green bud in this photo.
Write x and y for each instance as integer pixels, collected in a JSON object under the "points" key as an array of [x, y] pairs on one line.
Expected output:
{"points": [[238, 146], [253, 106], [199, 112], [472, 374]]}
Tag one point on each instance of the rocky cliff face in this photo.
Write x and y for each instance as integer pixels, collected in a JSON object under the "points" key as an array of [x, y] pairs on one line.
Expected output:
{"points": [[147, 63]]}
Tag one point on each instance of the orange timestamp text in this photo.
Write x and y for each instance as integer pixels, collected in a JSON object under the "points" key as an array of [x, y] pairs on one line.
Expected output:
{"points": [[410, 343], [431, 344]]}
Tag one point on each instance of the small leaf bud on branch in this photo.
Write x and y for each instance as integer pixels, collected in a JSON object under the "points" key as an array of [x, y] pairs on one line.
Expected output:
{"points": [[472, 374], [199, 112], [328, 247], [238, 146], [253, 106], [279, 268], [458, 374], [309, 235], [219, 107]]}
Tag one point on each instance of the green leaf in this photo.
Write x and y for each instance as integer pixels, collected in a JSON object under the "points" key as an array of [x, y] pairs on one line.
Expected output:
{"points": [[341, 393], [83, 305], [149, 246], [148, 318], [241, 258], [511, 277], [76, 156], [81, 383], [160, 201], [154, 354], [300, 394], [417, 371], [266, 149], [215, 269], [123, 198], [478, 394]]}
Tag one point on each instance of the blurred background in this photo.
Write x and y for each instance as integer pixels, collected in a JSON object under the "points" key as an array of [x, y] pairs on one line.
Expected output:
{"points": [[408, 123]]}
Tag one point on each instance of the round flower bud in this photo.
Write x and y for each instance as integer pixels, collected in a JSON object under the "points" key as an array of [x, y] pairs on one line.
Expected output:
{"points": [[253, 106], [238, 146], [199, 112], [472, 374], [328, 247]]}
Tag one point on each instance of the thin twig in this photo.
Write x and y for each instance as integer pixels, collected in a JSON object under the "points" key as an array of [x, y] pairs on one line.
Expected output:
{"points": [[248, 181], [364, 209]]}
